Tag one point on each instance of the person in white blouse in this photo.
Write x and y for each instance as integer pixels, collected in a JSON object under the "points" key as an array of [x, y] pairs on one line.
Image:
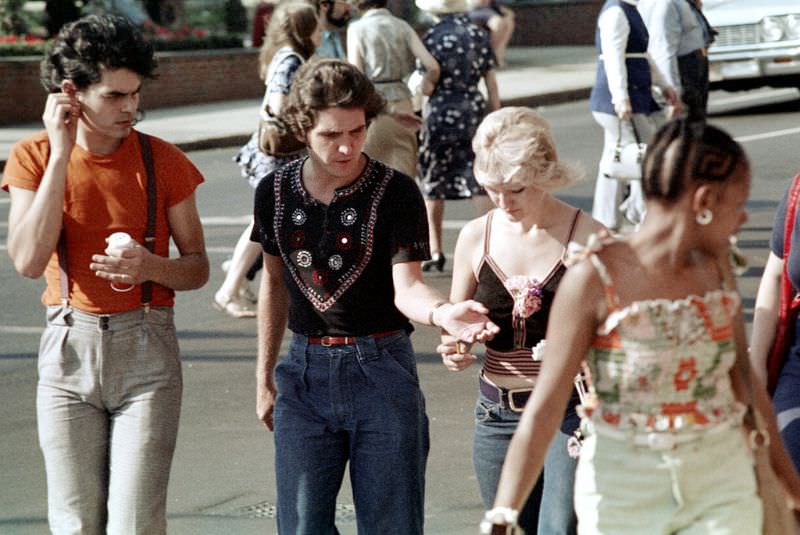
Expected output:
{"points": [[623, 92], [679, 37]]}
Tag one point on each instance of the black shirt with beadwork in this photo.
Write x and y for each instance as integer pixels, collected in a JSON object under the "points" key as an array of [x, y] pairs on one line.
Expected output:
{"points": [[338, 258]]}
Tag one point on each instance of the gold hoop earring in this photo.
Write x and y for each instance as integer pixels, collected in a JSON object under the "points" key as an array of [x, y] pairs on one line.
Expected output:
{"points": [[704, 217]]}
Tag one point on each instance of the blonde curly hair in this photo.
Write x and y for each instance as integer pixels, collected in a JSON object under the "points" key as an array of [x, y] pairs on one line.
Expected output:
{"points": [[514, 145]]}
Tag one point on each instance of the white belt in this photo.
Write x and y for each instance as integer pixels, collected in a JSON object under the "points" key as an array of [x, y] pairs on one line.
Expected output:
{"points": [[657, 441], [631, 55]]}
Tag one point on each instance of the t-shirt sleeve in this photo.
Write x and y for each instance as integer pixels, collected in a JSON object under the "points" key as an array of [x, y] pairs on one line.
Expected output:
{"points": [[776, 242], [177, 174], [26, 164], [263, 215], [408, 221]]}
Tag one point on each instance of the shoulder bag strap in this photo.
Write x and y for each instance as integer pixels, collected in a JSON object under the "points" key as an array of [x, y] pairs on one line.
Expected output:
{"points": [[787, 290], [150, 232]]}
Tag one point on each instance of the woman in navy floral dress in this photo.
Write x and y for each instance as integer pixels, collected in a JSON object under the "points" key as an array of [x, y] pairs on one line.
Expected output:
{"points": [[453, 113]]}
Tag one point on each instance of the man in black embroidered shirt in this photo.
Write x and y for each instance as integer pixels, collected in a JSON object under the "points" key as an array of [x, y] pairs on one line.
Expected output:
{"points": [[343, 238]]}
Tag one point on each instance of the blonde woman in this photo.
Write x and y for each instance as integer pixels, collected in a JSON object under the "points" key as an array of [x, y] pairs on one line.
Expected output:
{"points": [[512, 260], [292, 36]]}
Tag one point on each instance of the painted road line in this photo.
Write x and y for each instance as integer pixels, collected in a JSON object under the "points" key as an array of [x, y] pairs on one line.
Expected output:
{"points": [[778, 93], [768, 135], [225, 221], [12, 329]]}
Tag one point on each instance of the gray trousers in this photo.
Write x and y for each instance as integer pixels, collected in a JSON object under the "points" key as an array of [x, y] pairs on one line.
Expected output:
{"points": [[609, 193], [108, 403]]}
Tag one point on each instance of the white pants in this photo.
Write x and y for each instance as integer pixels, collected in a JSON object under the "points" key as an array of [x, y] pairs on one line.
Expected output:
{"points": [[609, 193], [704, 487], [108, 402]]}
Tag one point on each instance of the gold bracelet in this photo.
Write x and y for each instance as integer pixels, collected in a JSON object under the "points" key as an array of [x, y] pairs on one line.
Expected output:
{"points": [[433, 309]]}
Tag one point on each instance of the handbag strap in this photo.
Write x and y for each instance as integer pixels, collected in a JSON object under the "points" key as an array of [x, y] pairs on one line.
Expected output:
{"points": [[787, 292], [635, 132]]}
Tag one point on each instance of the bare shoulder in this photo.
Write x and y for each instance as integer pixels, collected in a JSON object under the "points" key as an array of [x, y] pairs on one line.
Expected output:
{"points": [[583, 287], [471, 234], [585, 227]]}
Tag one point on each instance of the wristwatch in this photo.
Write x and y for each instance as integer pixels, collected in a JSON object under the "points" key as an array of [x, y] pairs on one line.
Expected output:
{"points": [[501, 521]]}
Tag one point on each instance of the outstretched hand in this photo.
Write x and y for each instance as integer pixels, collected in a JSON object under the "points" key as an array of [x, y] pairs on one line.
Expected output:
{"points": [[467, 321]]}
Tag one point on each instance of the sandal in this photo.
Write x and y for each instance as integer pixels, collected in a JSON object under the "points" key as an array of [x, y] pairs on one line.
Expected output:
{"points": [[233, 307]]}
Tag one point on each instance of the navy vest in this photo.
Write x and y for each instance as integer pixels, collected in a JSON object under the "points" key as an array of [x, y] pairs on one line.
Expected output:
{"points": [[639, 79]]}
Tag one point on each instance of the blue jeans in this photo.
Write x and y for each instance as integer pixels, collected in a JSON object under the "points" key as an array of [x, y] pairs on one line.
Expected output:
{"points": [[549, 509], [360, 404]]}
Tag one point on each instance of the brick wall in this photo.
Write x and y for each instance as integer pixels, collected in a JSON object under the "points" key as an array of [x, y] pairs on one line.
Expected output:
{"points": [[184, 78], [553, 24]]}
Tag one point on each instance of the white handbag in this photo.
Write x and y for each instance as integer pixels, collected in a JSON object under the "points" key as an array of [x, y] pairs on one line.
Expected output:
{"points": [[624, 162]]}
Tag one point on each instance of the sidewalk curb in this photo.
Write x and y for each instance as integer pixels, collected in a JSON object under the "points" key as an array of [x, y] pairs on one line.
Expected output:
{"points": [[235, 140], [549, 99], [532, 101]]}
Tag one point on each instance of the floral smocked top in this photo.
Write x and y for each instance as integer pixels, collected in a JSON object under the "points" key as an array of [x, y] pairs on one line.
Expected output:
{"points": [[662, 365]]}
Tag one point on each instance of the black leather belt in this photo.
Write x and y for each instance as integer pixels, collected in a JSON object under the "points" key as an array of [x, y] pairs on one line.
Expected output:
{"points": [[509, 398]]}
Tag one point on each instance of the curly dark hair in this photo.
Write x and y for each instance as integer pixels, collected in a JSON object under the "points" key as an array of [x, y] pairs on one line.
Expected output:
{"points": [[328, 83], [87, 46], [685, 151]]}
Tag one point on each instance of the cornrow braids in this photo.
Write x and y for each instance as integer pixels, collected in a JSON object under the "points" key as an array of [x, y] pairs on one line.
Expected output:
{"points": [[685, 151]]}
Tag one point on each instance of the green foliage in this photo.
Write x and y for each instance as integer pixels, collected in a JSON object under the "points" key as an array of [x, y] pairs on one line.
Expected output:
{"points": [[12, 18]]}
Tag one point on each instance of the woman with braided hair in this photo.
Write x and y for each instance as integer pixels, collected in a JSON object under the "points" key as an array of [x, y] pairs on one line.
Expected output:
{"points": [[657, 318]]}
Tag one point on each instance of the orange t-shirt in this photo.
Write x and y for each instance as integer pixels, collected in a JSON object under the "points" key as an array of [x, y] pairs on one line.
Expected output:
{"points": [[105, 194]]}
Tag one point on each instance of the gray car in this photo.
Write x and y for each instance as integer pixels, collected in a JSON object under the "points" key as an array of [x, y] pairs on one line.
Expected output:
{"points": [[758, 43]]}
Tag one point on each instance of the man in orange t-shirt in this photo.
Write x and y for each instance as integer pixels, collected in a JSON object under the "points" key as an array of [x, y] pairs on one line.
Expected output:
{"points": [[109, 391]]}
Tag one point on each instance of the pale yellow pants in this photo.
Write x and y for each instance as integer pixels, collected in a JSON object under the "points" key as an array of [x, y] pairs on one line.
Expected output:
{"points": [[392, 143]]}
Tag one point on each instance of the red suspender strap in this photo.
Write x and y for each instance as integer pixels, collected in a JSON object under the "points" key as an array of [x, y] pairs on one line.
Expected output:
{"points": [[150, 232], [785, 328]]}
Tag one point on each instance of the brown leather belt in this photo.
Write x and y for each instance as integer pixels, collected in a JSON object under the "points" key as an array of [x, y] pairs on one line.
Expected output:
{"points": [[344, 340]]}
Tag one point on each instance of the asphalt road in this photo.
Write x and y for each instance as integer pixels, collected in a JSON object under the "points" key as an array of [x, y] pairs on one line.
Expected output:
{"points": [[222, 478]]}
